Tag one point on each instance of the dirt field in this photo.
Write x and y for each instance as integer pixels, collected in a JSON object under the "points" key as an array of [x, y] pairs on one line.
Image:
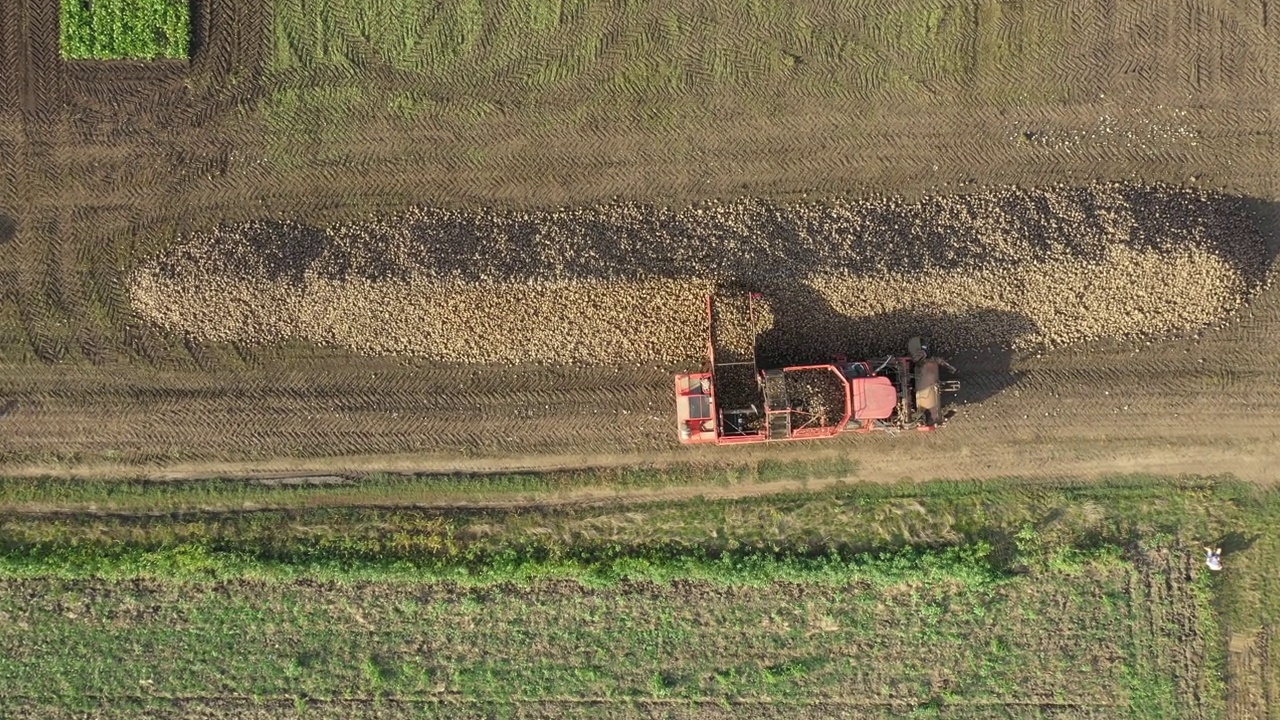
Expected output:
{"points": [[103, 166]]}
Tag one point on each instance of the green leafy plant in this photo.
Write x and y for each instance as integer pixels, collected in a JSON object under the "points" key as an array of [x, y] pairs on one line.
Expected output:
{"points": [[125, 29]]}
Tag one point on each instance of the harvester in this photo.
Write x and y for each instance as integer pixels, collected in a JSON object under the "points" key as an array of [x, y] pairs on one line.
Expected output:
{"points": [[733, 400]]}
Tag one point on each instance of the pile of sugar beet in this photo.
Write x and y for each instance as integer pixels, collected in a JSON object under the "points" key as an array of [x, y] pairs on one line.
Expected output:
{"points": [[624, 282]]}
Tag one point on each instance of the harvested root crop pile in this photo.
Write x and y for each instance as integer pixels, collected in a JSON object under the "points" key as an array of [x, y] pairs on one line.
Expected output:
{"points": [[1046, 303], [555, 321], [818, 395], [738, 388], [735, 330], [624, 283]]}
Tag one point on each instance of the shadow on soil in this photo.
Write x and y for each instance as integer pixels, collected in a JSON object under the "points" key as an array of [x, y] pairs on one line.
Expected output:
{"points": [[807, 329], [1265, 215], [8, 228], [1235, 542], [199, 29]]}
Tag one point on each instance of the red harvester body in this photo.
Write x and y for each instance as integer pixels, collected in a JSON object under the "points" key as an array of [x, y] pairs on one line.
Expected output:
{"points": [[734, 401]]}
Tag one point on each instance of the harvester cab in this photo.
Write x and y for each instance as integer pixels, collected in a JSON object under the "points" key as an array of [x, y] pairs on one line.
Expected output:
{"points": [[929, 385], [734, 401]]}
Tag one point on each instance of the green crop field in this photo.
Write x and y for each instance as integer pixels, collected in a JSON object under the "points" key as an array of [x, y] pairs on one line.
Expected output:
{"points": [[643, 48], [655, 65], [125, 29], [940, 600], [881, 638]]}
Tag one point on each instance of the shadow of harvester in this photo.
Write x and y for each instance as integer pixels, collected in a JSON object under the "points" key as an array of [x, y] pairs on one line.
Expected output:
{"points": [[807, 329]]}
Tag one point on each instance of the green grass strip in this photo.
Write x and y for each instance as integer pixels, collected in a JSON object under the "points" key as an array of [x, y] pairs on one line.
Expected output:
{"points": [[137, 495], [969, 564]]}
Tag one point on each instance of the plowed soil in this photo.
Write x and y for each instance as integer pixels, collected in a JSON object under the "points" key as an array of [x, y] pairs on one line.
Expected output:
{"points": [[102, 167]]}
